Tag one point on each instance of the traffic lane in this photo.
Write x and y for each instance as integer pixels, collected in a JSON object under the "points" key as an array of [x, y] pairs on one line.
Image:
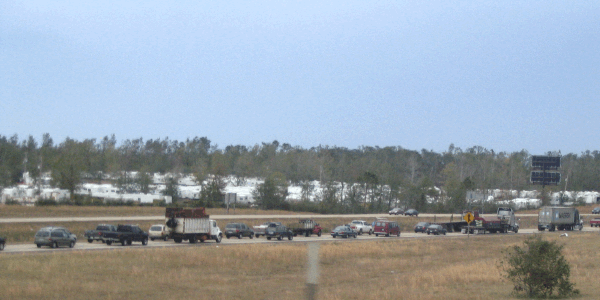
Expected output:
{"points": [[326, 237]]}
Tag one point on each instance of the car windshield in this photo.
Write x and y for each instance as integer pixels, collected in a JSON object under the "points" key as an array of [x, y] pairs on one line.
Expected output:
{"points": [[340, 228], [231, 226], [42, 234], [422, 224], [356, 222]]}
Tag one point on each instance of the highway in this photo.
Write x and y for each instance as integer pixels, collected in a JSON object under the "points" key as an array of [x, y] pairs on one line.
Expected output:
{"points": [[83, 245]]}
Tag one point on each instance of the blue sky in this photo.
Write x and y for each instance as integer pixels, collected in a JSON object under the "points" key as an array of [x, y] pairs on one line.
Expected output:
{"points": [[505, 75]]}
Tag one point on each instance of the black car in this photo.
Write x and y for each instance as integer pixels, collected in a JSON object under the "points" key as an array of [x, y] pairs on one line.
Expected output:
{"points": [[279, 232], [344, 231], [411, 212], [596, 210], [238, 229], [436, 229], [421, 227]]}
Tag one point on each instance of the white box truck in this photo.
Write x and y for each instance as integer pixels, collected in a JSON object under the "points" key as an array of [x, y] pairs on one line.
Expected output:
{"points": [[561, 218], [191, 224]]}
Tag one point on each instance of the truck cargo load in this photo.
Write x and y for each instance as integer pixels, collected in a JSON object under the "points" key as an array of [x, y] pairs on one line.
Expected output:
{"points": [[191, 224]]}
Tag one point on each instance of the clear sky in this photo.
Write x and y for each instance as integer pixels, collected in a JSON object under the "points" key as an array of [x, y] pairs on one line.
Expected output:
{"points": [[505, 75]]}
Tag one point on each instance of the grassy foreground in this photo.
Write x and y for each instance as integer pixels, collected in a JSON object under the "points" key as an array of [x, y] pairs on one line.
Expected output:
{"points": [[432, 268]]}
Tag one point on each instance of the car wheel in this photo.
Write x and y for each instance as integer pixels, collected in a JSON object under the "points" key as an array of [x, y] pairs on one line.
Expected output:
{"points": [[377, 234], [355, 236], [177, 240], [166, 238], [227, 236], [90, 241], [290, 237], [129, 242], [333, 236], [39, 246], [279, 238], [152, 239], [145, 242], [239, 236], [1, 246], [387, 235], [398, 234], [427, 233], [444, 233], [370, 231], [319, 233], [257, 235], [54, 245], [109, 243], [251, 236], [72, 244], [269, 238]]}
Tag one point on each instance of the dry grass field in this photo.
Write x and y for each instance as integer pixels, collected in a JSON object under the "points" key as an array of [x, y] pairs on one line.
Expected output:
{"points": [[18, 211], [430, 268]]}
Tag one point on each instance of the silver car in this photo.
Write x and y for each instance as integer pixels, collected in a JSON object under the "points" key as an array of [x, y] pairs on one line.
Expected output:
{"points": [[55, 237]]}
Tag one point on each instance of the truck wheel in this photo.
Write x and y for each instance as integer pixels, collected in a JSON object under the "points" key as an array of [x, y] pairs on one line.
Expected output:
{"points": [[257, 235], [355, 235], [109, 243], [360, 232], [218, 239], [427, 233], [39, 246], [129, 242], [251, 235], [279, 238], [71, 244], [516, 230], [177, 240], [193, 239], [370, 231], [1, 246], [90, 241], [145, 242], [166, 238], [54, 245], [269, 238], [240, 236], [152, 239], [123, 242], [377, 234], [398, 234], [290, 237]]}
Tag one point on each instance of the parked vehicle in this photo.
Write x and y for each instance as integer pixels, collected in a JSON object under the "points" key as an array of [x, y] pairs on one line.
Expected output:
{"points": [[344, 231], [396, 211], [159, 231], [596, 210], [279, 232], [561, 218], [126, 235], [503, 222], [436, 229], [411, 212], [306, 228], [191, 224], [421, 227], [595, 222], [54, 237], [239, 230], [99, 234], [387, 228], [2, 243], [260, 229], [361, 227]]}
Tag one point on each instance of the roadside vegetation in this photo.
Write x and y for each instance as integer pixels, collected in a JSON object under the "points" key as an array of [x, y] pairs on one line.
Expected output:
{"points": [[432, 268]]}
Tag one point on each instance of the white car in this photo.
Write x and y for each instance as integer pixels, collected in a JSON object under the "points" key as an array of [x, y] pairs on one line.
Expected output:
{"points": [[361, 227], [159, 231]]}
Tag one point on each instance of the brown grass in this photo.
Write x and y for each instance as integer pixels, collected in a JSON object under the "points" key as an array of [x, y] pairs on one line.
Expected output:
{"points": [[433, 268]]}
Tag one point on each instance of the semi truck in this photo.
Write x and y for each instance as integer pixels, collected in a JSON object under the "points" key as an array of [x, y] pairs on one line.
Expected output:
{"points": [[503, 222], [191, 224], [561, 218]]}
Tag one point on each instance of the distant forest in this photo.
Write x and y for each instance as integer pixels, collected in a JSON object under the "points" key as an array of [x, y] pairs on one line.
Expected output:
{"points": [[412, 172]]}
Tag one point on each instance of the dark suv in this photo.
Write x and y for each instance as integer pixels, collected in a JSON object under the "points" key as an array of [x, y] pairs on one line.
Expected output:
{"points": [[279, 232], [238, 229]]}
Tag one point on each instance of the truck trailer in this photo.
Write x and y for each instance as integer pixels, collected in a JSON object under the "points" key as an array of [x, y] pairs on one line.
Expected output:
{"points": [[561, 218], [191, 224]]}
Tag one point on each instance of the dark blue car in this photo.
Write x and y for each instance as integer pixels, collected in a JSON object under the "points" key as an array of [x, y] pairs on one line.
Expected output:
{"points": [[343, 231]]}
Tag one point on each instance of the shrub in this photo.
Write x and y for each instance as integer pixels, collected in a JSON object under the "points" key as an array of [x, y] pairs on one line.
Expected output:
{"points": [[538, 269]]}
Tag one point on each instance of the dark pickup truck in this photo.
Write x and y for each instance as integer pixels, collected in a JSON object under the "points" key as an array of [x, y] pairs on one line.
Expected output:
{"points": [[279, 232], [99, 234], [126, 234], [2, 243]]}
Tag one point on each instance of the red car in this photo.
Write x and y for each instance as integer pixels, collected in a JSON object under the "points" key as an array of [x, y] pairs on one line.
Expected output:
{"points": [[386, 228]]}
